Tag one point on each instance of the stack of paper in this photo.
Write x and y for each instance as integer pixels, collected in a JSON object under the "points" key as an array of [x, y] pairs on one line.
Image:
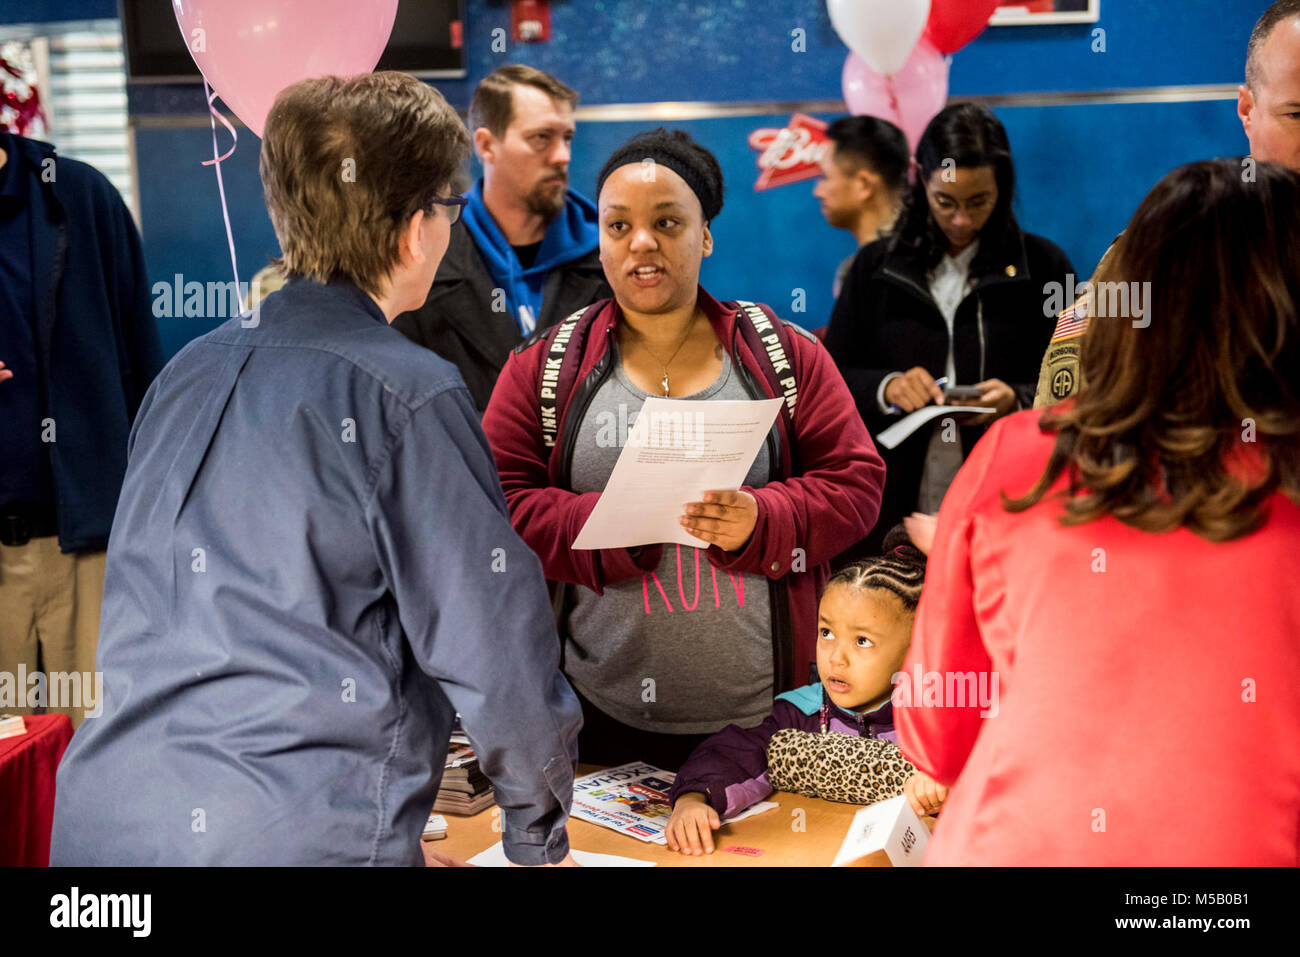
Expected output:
{"points": [[465, 789]]}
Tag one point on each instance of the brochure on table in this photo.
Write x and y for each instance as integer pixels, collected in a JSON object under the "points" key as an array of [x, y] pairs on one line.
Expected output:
{"points": [[633, 800]]}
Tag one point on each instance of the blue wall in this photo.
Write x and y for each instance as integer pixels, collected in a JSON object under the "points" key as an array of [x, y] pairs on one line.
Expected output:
{"points": [[636, 51], [1083, 168], [49, 11]]}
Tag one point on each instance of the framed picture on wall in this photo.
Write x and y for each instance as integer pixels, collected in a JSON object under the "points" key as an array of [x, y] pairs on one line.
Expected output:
{"points": [[1030, 12]]}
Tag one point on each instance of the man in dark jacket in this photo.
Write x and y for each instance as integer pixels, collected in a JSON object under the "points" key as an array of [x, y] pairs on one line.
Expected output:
{"points": [[527, 256], [78, 349]]}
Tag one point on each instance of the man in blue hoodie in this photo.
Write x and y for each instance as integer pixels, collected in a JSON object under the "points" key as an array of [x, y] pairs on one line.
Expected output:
{"points": [[528, 253]]}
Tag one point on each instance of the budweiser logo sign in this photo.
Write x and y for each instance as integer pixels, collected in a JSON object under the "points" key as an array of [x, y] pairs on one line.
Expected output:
{"points": [[791, 154]]}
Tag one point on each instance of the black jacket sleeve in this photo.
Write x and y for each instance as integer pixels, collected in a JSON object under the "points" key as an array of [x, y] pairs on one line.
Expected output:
{"points": [[850, 337]]}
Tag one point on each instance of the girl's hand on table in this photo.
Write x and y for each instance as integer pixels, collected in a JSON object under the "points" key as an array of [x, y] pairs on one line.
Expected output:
{"points": [[690, 829]]}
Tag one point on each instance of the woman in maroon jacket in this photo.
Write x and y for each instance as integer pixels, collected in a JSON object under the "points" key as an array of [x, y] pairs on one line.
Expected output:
{"points": [[668, 644]]}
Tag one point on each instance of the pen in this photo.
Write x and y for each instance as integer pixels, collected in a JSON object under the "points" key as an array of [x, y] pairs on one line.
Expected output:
{"points": [[940, 382]]}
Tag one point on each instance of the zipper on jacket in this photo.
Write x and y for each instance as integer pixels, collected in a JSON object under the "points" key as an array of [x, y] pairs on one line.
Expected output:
{"points": [[778, 592], [925, 295], [600, 370], [951, 330], [45, 345], [588, 389]]}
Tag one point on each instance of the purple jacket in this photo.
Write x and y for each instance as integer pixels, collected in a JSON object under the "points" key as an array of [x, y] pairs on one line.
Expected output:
{"points": [[730, 768]]}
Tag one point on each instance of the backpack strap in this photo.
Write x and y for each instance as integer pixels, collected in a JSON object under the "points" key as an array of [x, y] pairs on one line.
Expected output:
{"points": [[764, 332], [564, 339], [768, 335]]}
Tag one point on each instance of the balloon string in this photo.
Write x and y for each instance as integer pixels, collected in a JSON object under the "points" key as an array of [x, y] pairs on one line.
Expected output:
{"points": [[893, 99], [216, 161]]}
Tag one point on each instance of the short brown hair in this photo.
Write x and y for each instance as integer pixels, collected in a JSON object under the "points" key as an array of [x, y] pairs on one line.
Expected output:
{"points": [[1279, 11], [493, 103], [346, 163], [1155, 437]]}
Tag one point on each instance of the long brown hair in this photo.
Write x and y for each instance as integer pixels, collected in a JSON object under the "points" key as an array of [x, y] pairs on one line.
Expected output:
{"points": [[1170, 403]]}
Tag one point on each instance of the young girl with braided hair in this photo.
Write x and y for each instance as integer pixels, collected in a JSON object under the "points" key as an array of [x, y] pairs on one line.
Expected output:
{"points": [[834, 739]]}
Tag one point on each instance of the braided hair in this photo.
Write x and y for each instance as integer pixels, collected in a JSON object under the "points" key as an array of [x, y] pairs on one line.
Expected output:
{"points": [[901, 569]]}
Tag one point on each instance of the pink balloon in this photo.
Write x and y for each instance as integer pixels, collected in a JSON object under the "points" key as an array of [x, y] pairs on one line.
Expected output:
{"points": [[250, 50], [910, 98]]}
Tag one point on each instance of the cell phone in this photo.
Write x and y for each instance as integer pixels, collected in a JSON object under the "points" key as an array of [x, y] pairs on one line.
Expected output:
{"points": [[962, 393]]}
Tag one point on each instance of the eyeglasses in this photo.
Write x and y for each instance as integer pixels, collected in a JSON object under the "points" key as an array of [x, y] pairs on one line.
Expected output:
{"points": [[949, 205], [453, 205]]}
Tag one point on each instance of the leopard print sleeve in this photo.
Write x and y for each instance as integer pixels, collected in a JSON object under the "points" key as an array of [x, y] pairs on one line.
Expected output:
{"points": [[836, 767]]}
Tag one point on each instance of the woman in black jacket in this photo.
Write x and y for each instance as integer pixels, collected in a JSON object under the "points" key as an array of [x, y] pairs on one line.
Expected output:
{"points": [[955, 293]]}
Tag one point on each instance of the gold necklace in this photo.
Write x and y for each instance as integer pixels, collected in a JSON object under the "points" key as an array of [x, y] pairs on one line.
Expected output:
{"points": [[689, 327]]}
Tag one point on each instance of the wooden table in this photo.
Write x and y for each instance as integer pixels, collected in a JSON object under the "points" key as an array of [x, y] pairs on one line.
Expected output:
{"points": [[785, 838]]}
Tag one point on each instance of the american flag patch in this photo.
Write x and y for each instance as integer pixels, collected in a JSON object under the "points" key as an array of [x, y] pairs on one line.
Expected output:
{"points": [[1074, 321]]}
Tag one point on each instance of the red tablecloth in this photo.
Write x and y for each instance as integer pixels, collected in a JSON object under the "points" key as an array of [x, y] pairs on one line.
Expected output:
{"points": [[28, 763]]}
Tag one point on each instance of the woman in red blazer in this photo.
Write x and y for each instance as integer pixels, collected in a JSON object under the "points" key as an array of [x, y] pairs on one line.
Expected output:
{"points": [[1106, 658]]}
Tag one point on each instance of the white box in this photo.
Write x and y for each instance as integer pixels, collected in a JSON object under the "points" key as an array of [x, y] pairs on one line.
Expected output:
{"points": [[890, 826]]}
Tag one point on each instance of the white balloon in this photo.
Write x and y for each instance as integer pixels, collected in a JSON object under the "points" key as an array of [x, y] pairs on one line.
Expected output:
{"points": [[882, 32]]}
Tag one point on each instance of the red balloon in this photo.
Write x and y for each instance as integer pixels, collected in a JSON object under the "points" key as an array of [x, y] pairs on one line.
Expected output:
{"points": [[955, 23]]}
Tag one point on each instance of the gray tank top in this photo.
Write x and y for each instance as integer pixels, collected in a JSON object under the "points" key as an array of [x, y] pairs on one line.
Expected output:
{"points": [[687, 648]]}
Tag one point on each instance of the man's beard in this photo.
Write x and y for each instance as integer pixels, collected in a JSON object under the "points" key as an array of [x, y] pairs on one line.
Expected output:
{"points": [[546, 200]]}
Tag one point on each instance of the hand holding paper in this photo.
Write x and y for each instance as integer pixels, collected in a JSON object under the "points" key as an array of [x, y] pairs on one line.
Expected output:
{"points": [[722, 518], [679, 453]]}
